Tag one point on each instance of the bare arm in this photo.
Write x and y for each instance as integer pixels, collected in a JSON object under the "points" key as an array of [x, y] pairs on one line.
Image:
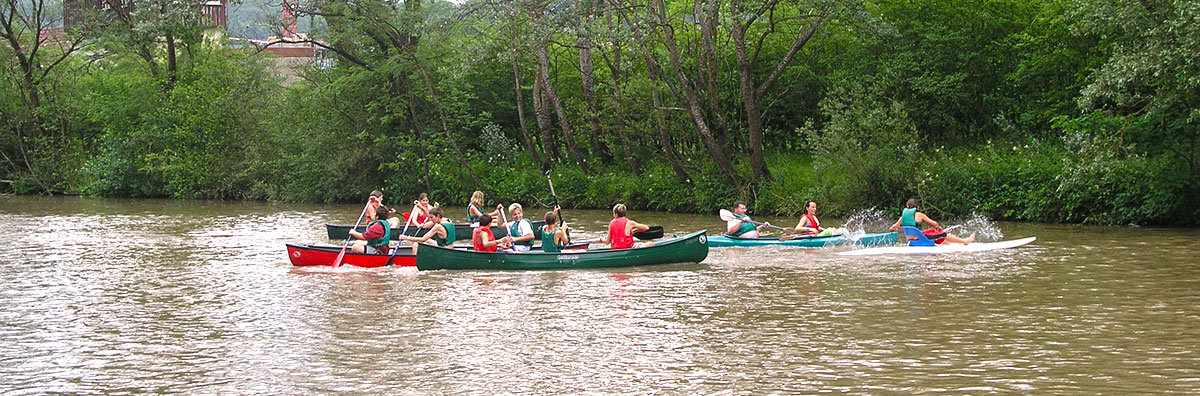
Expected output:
{"points": [[633, 227], [921, 217], [897, 225]]}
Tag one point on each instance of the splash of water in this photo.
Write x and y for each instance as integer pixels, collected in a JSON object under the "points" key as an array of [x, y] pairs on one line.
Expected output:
{"points": [[983, 227], [870, 219]]}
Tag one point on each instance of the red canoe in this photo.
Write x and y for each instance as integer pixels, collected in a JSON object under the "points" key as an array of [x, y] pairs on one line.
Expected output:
{"points": [[317, 255], [303, 255]]}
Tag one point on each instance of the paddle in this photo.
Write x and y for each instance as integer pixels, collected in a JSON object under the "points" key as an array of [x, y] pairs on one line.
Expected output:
{"points": [[654, 232], [407, 221], [557, 208], [505, 223], [728, 216], [337, 262]]}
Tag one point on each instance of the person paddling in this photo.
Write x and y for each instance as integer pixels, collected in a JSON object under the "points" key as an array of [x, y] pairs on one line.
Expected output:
{"points": [[741, 226], [483, 239], [519, 229], [475, 209], [809, 225], [374, 201], [554, 238], [621, 230], [441, 233], [375, 240], [423, 207], [910, 217]]}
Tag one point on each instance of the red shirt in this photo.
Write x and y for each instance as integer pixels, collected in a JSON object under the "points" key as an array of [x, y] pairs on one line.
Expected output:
{"points": [[375, 231], [616, 234], [477, 238]]}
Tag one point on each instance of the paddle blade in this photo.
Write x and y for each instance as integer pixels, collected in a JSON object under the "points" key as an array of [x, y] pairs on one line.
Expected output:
{"points": [[654, 232], [338, 261], [726, 215]]}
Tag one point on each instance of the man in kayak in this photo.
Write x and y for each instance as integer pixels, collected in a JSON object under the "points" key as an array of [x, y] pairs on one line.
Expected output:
{"points": [[621, 230], [910, 217], [741, 226], [378, 235]]}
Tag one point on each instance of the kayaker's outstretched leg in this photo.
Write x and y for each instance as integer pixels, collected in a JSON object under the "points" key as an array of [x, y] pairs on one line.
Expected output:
{"points": [[964, 241]]}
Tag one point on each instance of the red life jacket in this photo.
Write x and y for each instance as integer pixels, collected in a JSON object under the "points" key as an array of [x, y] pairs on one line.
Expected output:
{"points": [[812, 223], [475, 238], [616, 234]]}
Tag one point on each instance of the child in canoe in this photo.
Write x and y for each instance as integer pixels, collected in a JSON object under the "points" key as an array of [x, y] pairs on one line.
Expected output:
{"points": [[621, 230]]}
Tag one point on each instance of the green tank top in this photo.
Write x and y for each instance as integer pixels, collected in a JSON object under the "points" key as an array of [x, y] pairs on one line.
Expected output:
{"points": [[548, 244], [745, 227], [387, 234], [515, 230], [449, 239], [470, 218], [908, 217]]}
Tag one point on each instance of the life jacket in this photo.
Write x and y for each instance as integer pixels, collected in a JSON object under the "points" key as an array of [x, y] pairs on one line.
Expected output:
{"points": [[383, 240], [478, 241], [812, 223], [908, 217], [616, 234], [515, 229], [745, 227], [471, 218], [449, 239], [548, 244]]}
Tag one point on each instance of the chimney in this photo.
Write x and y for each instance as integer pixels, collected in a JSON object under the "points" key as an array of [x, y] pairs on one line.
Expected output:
{"points": [[289, 21]]}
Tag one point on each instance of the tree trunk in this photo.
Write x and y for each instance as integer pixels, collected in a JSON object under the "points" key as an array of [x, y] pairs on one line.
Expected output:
{"points": [[586, 76], [171, 65], [542, 114], [618, 95], [751, 95], [544, 166], [445, 125], [694, 106], [543, 56]]}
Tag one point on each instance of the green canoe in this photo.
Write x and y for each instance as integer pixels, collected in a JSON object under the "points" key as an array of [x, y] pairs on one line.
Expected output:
{"points": [[691, 248], [461, 231], [886, 238]]}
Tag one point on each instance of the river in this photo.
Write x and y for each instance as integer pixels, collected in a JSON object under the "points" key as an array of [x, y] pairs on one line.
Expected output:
{"points": [[164, 296]]}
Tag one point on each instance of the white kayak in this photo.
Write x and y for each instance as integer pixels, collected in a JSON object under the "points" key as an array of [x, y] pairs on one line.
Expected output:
{"points": [[943, 248]]}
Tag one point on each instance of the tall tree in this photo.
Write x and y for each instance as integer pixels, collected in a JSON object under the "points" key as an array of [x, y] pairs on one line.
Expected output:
{"points": [[27, 31], [752, 95]]}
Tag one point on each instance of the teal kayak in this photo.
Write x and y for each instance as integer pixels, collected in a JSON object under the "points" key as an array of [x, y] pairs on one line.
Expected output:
{"points": [[886, 238]]}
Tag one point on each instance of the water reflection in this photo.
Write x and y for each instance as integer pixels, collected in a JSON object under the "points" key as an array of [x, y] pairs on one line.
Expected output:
{"points": [[144, 296]]}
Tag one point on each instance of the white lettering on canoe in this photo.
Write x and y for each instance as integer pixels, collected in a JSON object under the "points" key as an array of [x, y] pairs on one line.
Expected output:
{"points": [[563, 257]]}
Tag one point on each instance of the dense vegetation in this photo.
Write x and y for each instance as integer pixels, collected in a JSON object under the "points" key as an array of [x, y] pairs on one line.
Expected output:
{"points": [[1058, 111]]}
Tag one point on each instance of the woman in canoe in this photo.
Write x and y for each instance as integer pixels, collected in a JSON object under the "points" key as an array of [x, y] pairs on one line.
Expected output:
{"points": [[809, 225], [910, 217], [441, 233], [374, 201], [741, 226], [483, 239], [375, 240], [519, 229], [621, 230], [553, 236], [423, 207], [475, 209]]}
